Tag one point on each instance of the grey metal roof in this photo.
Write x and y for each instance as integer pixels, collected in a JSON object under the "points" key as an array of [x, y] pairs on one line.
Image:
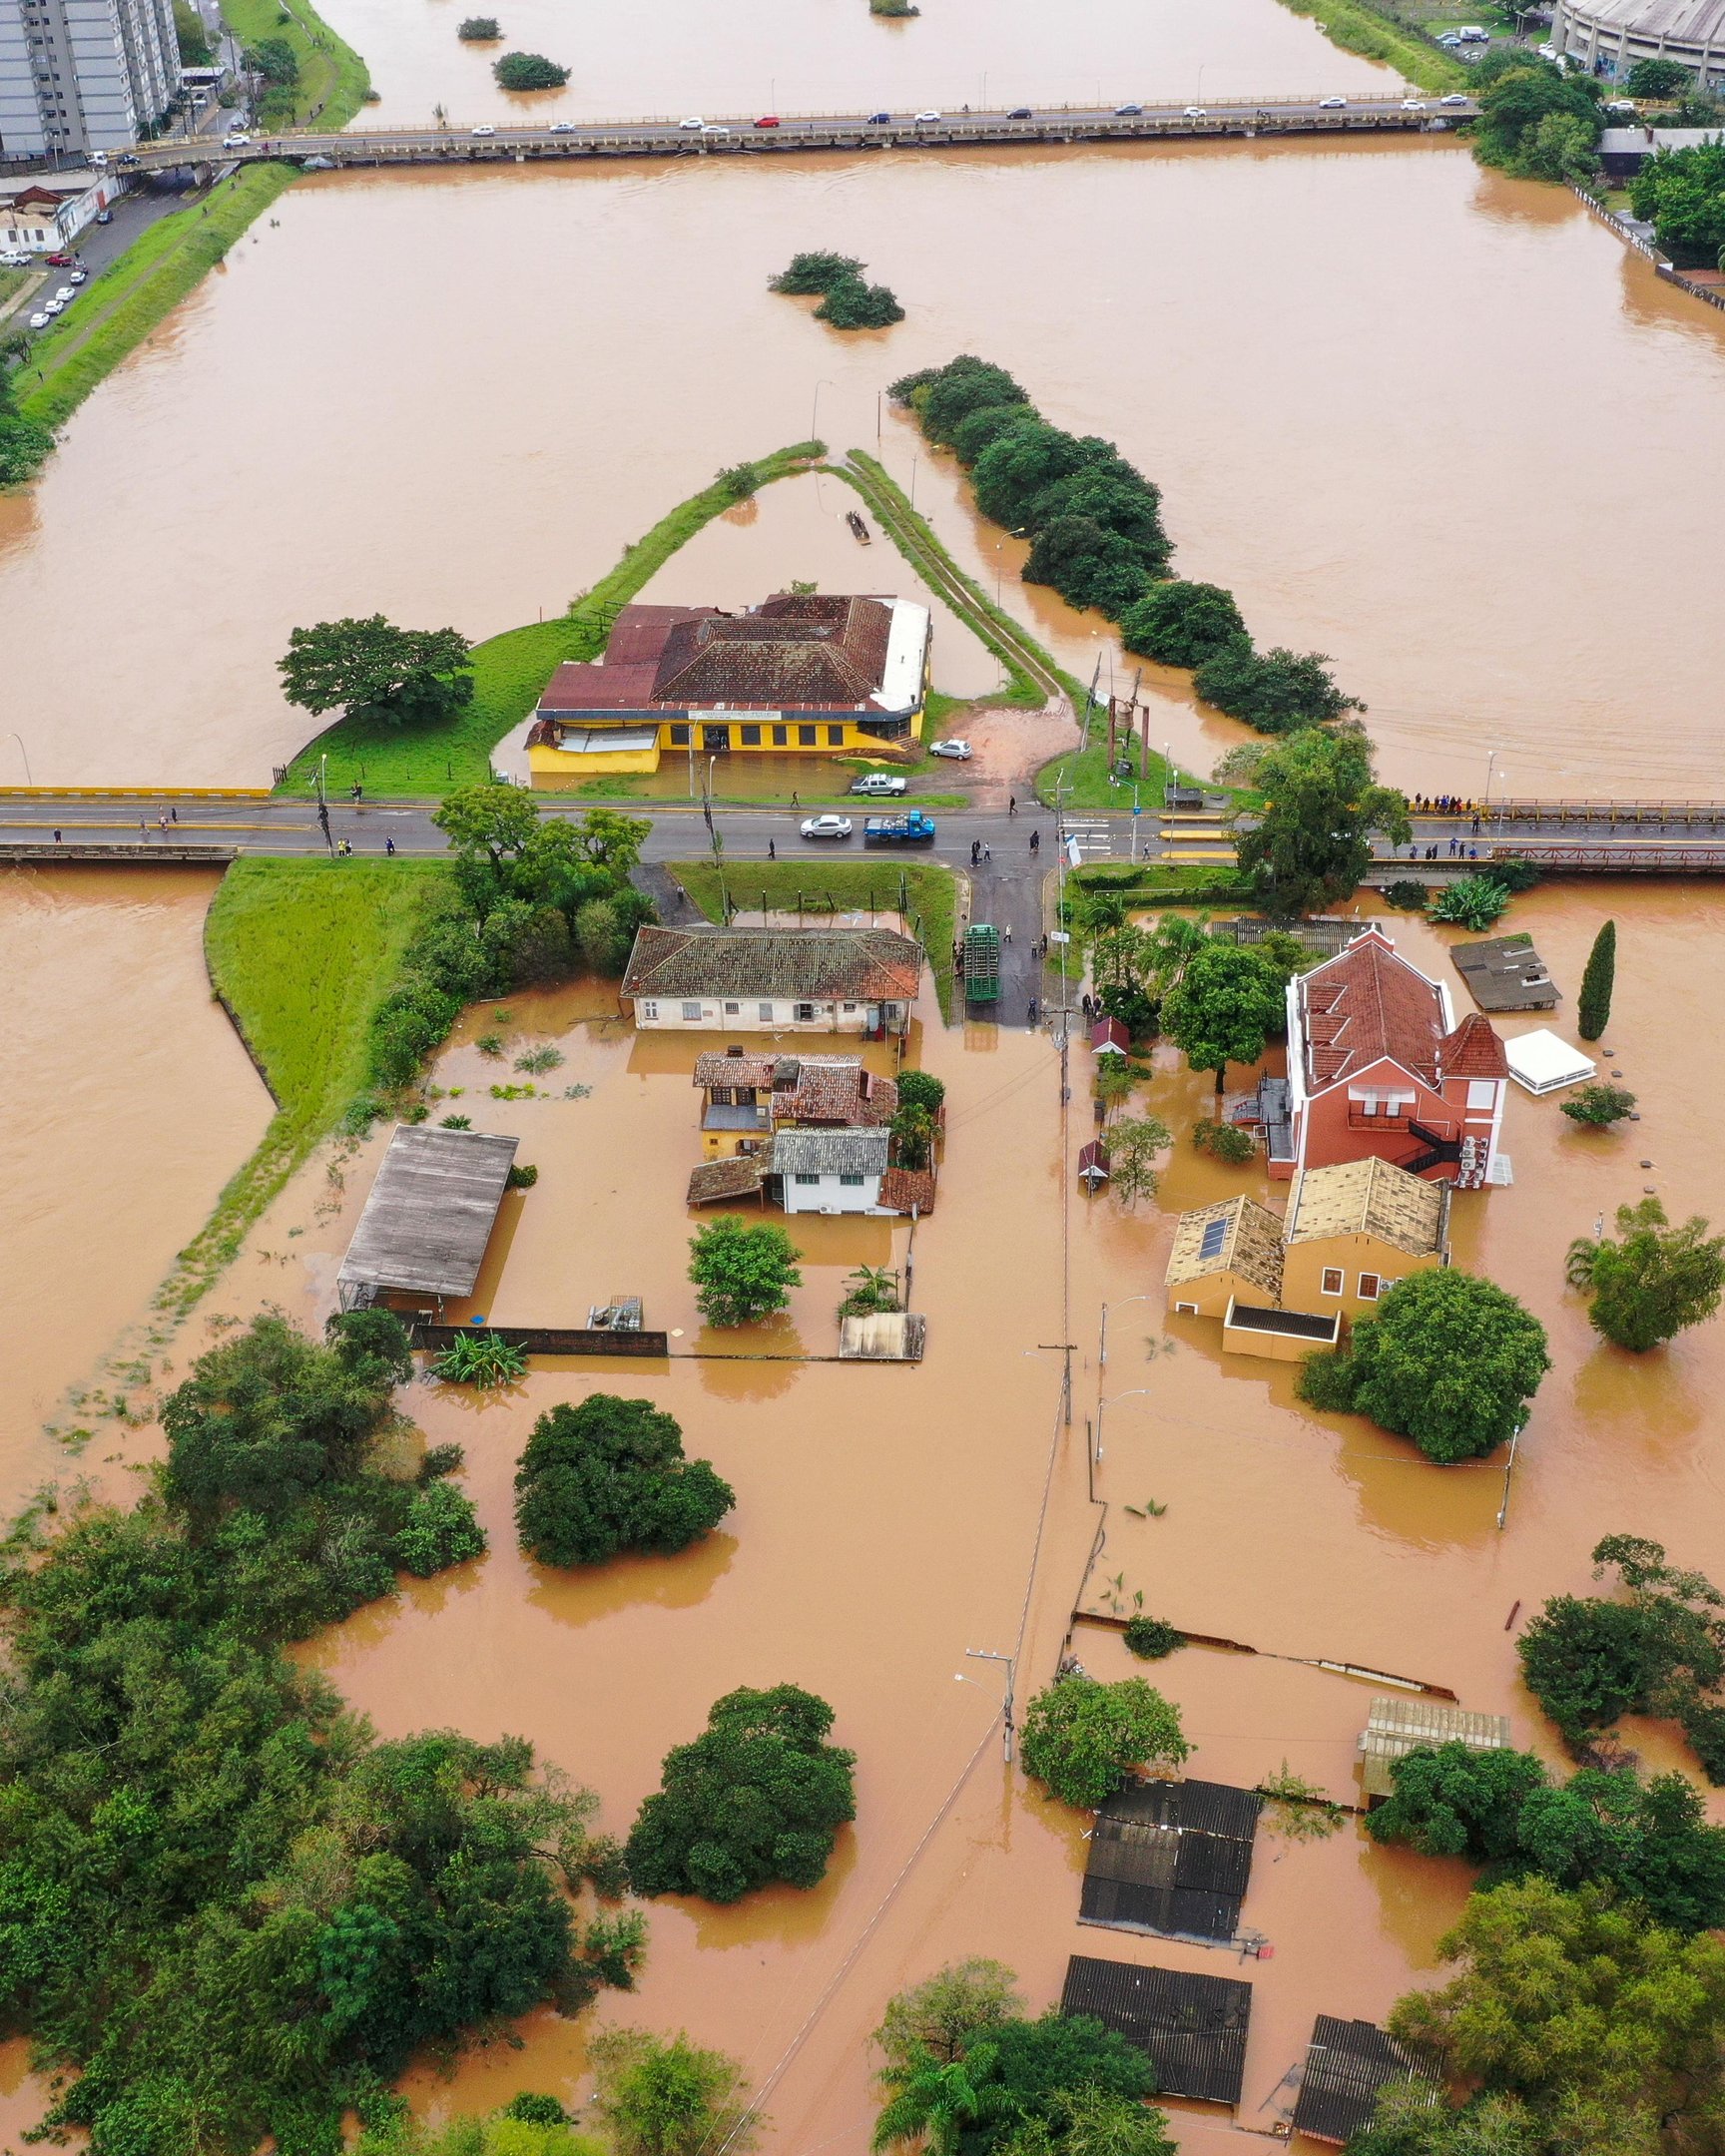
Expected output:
{"points": [[1678, 22], [1192, 2027], [1347, 2063], [831, 1151], [1173, 1858], [430, 1212]]}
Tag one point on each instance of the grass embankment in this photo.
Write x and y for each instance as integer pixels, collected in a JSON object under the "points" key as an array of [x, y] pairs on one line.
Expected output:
{"points": [[333, 80], [1159, 882], [924, 893], [117, 308], [1361, 29], [302, 952], [510, 670]]}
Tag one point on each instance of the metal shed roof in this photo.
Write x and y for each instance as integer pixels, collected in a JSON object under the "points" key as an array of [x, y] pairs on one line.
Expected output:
{"points": [[1173, 1858], [1193, 2028], [1347, 2064], [430, 1212], [1396, 1727]]}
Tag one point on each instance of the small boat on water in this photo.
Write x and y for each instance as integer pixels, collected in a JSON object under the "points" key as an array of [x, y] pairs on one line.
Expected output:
{"points": [[859, 529]]}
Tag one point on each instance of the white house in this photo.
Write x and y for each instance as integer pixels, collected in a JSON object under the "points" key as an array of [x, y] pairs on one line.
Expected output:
{"points": [[46, 212], [773, 981], [830, 1171]]}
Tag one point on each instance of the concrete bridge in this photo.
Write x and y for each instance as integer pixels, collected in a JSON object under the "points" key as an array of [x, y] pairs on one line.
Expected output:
{"points": [[748, 134]]}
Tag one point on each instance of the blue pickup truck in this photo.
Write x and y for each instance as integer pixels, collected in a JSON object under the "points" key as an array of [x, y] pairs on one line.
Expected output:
{"points": [[913, 829]]}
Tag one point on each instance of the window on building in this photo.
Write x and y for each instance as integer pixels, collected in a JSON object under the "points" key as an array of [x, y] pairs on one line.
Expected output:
{"points": [[835, 737], [806, 735], [733, 1010], [765, 1012], [649, 1009], [849, 1006], [781, 737], [852, 1182], [1368, 1286], [751, 736], [692, 1013], [1331, 1282], [808, 1179], [805, 1012], [1481, 1092], [678, 736], [1185, 1309]]}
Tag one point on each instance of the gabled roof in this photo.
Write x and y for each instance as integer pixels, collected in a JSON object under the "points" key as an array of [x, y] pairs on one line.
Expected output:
{"points": [[838, 1089], [831, 1151], [1473, 1050], [739, 1176], [862, 965], [1369, 1197], [1367, 1005], [1108, 1036], [903, 1190], [719, 1067], [430, 1212], [1249, 1242]]}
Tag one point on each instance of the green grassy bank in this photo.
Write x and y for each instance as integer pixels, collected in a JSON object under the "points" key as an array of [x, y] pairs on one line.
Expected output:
{"points": [[302, 952], [822, 886], [333, 80], [510, 670], [1361, 29]]}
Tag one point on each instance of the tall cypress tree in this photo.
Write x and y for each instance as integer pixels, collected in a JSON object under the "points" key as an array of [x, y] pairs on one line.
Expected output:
{"points": [[1594, 1013]]}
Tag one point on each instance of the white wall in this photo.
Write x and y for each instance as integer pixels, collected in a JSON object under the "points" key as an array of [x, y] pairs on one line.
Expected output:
{"points": [[828, 1195]]}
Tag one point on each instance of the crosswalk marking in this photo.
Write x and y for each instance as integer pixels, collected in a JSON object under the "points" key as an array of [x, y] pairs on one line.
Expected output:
{"points": [[1094, 836]]}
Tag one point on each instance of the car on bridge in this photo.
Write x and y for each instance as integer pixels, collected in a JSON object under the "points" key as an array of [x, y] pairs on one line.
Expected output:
{"points": [[880, 119], [478, 131], [236, 141], [1194, 112], [1020, 112], [927, 119], [1128, 111], [827, 827], [1332, 104], [1455, 98], [711, 128], [1412, 104], [562, 127], [693, 125], [767, 119]]}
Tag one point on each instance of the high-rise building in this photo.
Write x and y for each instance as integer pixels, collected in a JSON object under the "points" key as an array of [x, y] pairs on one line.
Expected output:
{"points": [[83, 75]]}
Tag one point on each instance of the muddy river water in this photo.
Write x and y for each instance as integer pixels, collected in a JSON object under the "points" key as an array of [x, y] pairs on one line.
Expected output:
{"points": [[1430, 421]]}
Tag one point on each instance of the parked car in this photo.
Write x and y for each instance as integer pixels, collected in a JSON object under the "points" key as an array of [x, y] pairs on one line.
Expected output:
{"points": [[880, 782], [767, 119], [483, 130], [39, 321], [54, 306], [103, 217], [693, 125], [1195, 112], [827, 827], [1412, 104], [562, 127], [959, 750], [927, 119], [1612, 105], [79, 277], [59, 261], [14, 262], [1128, 111], [880, 119], [1332, 104], [1020, 112], [1455, 98], [65, 296], [1451, 39]]}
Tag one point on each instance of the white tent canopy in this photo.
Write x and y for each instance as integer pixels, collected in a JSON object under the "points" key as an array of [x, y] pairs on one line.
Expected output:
{"points": [[1541, 1063]]}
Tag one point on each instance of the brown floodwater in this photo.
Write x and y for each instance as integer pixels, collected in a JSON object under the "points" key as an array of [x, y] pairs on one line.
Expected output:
{"points": [[677, 57], [887, 1519], [455, 397]]}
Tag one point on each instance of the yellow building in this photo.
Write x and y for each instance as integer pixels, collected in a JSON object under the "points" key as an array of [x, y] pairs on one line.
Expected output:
{"points": [[802, 674], [1223, 1254], [1353, 1230]]}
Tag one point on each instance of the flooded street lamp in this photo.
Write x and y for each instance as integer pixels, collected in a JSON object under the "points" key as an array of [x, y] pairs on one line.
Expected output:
{"points": [[1119, 1302], [1101, 1405], [984, 1654]]}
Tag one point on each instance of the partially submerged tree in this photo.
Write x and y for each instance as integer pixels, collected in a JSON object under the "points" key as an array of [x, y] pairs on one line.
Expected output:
{"points": [[608, 1474], [758, 1797], [665, 2096], [1181, 624], [529, 71], [1598, 977], [1449, 1359], [816, 272], [370, 670], [1084, 1739], [1134, 1145], [741, 1273], [1653, 1282], [1225, 1008], [1599, 1106], [1311, 843], [1276, 691], [959, 2003]]}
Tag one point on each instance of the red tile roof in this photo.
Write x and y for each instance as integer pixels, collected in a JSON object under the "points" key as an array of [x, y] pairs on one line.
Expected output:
{"points": [[815, 964], [902, 1188], [796, 649], [1473, 1050], [1366, 1005]]}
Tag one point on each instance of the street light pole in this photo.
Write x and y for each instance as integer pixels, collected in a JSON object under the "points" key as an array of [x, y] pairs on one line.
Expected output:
{"points": [[25, 754], [815, 409], [984, 1654], [1119, 1302], [1103, 1405]]}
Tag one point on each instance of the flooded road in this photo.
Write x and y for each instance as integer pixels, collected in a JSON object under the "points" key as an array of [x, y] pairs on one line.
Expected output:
{"points": [[1305, 348], [675, 57], [887, 1520]]}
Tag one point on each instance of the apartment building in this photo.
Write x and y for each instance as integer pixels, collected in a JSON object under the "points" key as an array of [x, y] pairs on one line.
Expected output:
{"points": [[78, 75]]}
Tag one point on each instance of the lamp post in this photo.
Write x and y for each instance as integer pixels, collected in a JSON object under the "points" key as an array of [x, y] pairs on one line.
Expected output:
{"points": [[984, 1654], [1101, 1408], [815, 409], [25, 754], [1119, 1302]]}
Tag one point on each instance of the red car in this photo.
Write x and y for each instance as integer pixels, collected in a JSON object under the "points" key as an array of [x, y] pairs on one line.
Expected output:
{"points": [[767, 119], [59, 261]]}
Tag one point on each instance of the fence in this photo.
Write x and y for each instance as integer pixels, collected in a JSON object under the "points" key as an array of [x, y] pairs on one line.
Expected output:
{"points": [[1663, 267], [550, 1339]]}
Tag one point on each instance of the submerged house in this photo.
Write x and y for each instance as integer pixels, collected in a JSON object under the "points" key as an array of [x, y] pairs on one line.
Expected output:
{"points": [[818, 1171], [1355, 1229], [1173, 1858], [747, 1096], [1192, 2028], [1379, 1066], [773, 981], [802, 674]]}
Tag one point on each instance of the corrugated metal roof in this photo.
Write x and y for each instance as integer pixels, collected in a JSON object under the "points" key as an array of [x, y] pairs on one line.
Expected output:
{"points": [[1394, 1727], [1347, 2063], [1172, 1856], [1193, 2028]]}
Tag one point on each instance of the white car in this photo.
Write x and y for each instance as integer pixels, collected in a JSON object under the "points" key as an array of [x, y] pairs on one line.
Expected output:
{"points": [[711, 129], [38, 321], [54, 306], [236, 141], [1412, 104], [64, 295], [694, 124], [14, 262], [562, 127], [1455, 98], [1195, 112], [927, 119], [959, 750], [483, 130], [827, 827], [1332, 104], [79, 277], [880, 782]]}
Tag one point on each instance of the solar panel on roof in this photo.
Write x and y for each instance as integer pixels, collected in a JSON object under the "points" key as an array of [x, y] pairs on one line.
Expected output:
{"points": [[1215, 1235]]}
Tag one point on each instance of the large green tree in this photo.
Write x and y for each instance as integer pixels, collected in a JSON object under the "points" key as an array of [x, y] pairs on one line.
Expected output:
{"points": [[741, 1273], [657, 2096], [607, 1476], [1653, 1281], [1312, 841], [491, 822], [1609, 2029], [1598, 977], [1084, 1739], [1179, 624], [1225, 1008], [1276, 691], [758, 1797], [1521, 91], [1449, 1359], [369, 669], [942, 2013]]}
